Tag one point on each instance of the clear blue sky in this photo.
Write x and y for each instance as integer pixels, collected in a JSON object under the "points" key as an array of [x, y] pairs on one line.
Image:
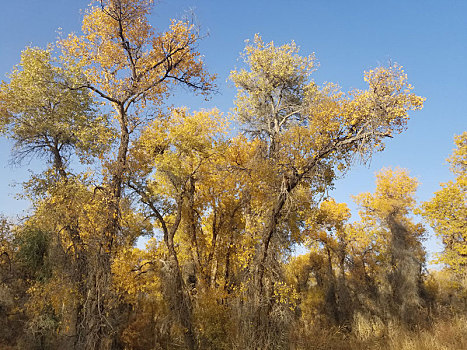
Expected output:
{"points": [[428, 38]]}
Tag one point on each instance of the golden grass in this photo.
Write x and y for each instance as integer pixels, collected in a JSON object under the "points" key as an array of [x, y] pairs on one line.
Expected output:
{"points": [[371, 334]]}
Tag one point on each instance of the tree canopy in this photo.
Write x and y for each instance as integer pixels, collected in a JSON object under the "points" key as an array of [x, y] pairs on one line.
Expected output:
{"points": [[223, 198]]}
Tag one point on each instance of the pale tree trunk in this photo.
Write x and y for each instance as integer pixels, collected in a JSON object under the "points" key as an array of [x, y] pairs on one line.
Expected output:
{"points": [[174, 287], [99, 328], [179, 299]]}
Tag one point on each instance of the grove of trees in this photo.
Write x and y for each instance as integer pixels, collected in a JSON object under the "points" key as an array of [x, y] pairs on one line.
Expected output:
{"points": [[224, 198]]}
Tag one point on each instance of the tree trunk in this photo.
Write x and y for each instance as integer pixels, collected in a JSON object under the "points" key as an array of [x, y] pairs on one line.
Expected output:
{"points": [[100, 327]]}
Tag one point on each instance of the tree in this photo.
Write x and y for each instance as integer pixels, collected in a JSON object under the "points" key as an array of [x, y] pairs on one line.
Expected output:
{"points": [[305, 132], [173, 155], [388, 210], [447, 210], [326, 230], [48, 108], [129, 67], [45, 118]]}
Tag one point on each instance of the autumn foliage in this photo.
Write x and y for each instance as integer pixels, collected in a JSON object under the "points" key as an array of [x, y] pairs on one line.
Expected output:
{"points": [[223, 207]]}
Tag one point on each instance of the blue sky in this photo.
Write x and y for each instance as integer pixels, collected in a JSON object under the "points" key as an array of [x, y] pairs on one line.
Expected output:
{"points": [[428, 38]]}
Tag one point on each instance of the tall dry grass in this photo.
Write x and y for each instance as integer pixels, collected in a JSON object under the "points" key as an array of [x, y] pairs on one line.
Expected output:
{"points": [[372, 334]]}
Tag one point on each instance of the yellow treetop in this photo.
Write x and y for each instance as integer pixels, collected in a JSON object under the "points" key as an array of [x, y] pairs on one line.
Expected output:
{"points": [[126, 62], [446, 212]]}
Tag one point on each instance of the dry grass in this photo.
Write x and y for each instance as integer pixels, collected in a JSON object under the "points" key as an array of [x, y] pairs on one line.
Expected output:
{"points": [[371, 334], [443, 335]]}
